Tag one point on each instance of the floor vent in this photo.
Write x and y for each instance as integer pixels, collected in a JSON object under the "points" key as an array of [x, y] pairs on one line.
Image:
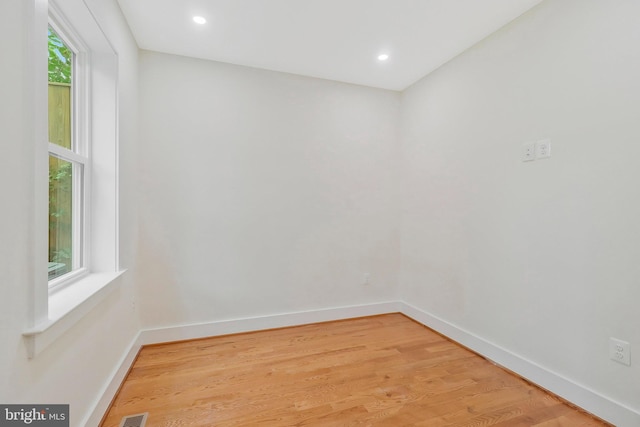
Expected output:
{"points": [[138, 420]]}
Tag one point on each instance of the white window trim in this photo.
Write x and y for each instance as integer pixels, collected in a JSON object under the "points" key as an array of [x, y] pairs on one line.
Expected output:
{"points": [[80, 151], [54, 310]]}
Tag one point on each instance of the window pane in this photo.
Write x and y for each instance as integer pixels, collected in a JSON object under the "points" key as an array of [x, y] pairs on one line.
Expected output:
{"points": [[60, 83], [60, 217]]}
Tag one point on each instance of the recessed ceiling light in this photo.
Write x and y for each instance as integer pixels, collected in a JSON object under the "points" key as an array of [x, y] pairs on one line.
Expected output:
{"points": [[383, 57], [199, 20]]}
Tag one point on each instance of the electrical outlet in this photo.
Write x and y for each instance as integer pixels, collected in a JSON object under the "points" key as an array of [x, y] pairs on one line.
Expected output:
{"points": [[620, 351], [365, 280], [529, 152], [543, 149]]}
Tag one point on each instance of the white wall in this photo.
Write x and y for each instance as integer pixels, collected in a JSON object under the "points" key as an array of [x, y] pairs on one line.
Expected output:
{"points": [[76, 368], [541, 258], [262, 192]]}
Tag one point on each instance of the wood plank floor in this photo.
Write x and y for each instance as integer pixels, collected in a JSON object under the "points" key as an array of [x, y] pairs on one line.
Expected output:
{"points": [[383, 370]]}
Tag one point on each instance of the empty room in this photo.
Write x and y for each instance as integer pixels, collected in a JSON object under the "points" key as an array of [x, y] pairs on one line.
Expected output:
{"points": [[320, 213]]}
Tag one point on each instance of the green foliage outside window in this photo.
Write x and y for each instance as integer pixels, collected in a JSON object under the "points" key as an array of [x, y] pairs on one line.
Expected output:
{"points": [[60, 211], [60, 58]]}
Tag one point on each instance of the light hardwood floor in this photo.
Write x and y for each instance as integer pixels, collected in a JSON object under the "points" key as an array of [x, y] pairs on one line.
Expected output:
{"points": [[384, 370]]}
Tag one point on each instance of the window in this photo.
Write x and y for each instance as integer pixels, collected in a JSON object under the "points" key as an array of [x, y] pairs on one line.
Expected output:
{"points": [[68, 158], [75, 192]]}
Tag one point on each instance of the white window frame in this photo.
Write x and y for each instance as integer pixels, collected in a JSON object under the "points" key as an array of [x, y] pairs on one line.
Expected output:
{"points": [[79, 154], [55, 309]]}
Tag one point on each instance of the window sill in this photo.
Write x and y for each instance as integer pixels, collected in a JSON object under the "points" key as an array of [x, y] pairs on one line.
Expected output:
{"points": [[67, 306]]}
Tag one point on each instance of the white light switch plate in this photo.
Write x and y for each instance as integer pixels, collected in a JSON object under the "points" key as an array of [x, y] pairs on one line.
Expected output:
{"points": [[543, 149], [529, 152]]}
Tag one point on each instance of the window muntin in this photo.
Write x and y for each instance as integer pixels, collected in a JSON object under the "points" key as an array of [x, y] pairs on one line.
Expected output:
{"points": [[67, 161]]}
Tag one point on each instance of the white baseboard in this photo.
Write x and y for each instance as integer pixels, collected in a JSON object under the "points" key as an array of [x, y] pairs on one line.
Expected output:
{"points": [[577, 394], [225, 327], [249, 324], [112, 386]]}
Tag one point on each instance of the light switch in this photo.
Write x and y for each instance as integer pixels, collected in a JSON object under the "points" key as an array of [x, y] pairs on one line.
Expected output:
{"points": [[529, 152], [543, 149]]}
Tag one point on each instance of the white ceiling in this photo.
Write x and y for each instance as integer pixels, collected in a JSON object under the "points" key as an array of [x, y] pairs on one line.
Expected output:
{"points": [[331, 39]]}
